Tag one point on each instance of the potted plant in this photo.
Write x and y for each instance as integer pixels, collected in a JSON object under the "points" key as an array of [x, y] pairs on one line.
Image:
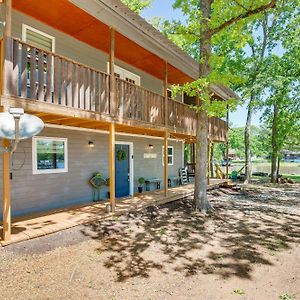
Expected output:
{"points": [[141, 182]]}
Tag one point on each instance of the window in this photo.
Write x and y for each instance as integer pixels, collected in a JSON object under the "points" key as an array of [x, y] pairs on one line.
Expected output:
{"points": [[170, 155], [126, 75], [38, 38], [49, 155]]}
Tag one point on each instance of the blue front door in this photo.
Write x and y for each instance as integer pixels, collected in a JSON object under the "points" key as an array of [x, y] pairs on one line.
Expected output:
{"points": [[122, 171]]}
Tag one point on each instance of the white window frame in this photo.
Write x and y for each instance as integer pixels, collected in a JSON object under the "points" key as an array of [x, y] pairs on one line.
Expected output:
{"points": [[35, 170], [125, 73], [24, 35], [172, 155]]}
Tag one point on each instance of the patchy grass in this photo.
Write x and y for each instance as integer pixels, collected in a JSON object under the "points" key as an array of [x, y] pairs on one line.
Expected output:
{"points": [[239, 292], [296, 178], [286, 296]]}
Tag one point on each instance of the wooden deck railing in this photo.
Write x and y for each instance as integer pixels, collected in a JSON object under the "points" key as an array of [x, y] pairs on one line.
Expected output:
{"points": [[36, 74], [138, 103]]}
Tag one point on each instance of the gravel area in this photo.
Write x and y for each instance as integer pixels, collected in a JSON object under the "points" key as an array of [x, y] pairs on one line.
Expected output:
{"points": [[247, 249]]}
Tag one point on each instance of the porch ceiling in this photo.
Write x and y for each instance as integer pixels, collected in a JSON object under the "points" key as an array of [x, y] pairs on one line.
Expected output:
{"points": [[68, 18], [75, 122]]}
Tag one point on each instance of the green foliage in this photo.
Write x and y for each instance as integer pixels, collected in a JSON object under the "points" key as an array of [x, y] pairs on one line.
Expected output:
{"points": [[239, 292], [137, 5], [141, 181], [286, 296], [229, 61], [259, 141]]}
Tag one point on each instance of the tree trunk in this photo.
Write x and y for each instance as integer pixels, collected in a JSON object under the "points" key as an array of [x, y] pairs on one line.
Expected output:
{"points": [[278, 167], [247, 141], [200, 195], [274, 145], [212, 160]]}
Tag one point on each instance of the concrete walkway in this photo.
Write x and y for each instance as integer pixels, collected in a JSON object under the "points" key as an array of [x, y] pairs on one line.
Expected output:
{"points": [[33, 226]]}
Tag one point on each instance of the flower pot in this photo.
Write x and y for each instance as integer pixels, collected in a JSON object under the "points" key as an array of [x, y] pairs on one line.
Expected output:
{"points": [[140, 189]]}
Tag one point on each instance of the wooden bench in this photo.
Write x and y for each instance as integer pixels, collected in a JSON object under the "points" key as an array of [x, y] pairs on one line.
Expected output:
{"points": [[155, 181]]}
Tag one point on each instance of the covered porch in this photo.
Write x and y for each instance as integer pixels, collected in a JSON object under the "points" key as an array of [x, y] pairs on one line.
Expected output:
{"points": [[37, 225]]}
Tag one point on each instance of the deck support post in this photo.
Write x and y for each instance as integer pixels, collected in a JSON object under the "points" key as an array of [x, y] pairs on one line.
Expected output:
{"points": [[112, 166], [165, 90], [6, 51], [227, 144], [194, 153], [208, 161], [166, 131], [113, 99], [6, 234], [166, 163], [227, 157]]}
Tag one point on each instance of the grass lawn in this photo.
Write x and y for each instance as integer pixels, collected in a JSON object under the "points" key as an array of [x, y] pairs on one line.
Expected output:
{"points": [[296, 178]]}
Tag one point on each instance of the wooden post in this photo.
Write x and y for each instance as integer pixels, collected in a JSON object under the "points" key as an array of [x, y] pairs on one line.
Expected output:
{"points": [[227, 144], [166, 93], [194, 153], [6, 55], [6, 193], [8, 8], [227, 157], [112, 166], [208, 162], [113, 99], [166, 162]]}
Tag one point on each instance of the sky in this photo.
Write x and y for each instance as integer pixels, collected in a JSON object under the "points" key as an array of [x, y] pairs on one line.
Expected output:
{"points": [[163, 8]]}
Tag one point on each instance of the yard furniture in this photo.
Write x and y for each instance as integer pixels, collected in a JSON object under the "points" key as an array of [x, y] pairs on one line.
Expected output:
{"points": [[190, 169], [173, 179], [183, 176], [155, 181]]}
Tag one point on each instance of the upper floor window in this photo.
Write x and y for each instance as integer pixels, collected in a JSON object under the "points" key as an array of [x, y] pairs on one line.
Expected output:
{"points": [[126, 75], [38, 38]]}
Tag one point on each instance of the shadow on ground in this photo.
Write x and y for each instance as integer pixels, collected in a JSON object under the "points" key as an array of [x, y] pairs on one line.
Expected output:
{"points": [[243, 231]]}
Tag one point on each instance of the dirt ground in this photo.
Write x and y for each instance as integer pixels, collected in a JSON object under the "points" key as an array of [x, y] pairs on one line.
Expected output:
{"points": [[247, 249]]}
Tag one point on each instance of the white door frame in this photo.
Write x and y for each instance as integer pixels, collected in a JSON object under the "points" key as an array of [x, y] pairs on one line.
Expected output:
{"points": [[131, 172]]}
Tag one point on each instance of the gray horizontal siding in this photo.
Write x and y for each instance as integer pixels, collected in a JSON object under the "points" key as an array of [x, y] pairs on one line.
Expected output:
{"points": [[68, 46], [34, 193]]}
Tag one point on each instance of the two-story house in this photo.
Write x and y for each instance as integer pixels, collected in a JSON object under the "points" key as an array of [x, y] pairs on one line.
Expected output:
{"points": [[98, 75]]}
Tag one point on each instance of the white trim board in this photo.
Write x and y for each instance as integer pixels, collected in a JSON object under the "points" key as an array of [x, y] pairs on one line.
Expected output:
{"points": [[131, 169], [106, 132], [24, 37]]}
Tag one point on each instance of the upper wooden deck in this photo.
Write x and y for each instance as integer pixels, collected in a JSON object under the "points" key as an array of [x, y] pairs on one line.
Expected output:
{"points": [[69, 93]]}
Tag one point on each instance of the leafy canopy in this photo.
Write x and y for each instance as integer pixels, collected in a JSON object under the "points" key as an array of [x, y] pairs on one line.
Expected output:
{"points": [[137, 5]]}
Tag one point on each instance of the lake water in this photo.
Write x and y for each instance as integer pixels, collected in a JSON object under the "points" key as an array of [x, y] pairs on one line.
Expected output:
{"points": [[285, 168]]}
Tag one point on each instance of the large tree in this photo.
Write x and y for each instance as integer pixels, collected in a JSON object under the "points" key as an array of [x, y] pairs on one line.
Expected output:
{"points": [[205, 21], [282, 112]]}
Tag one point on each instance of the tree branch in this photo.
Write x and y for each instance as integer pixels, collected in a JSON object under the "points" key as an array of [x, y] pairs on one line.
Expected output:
{"points": [[245, 15]]}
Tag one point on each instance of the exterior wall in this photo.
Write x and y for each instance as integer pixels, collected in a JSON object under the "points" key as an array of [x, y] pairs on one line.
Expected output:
{"points": [[2, 18], [35, 193], [69, 47]]}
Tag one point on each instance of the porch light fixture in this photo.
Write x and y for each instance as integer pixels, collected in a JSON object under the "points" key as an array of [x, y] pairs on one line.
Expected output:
{"points": [[151, 146], [91, 144]]}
